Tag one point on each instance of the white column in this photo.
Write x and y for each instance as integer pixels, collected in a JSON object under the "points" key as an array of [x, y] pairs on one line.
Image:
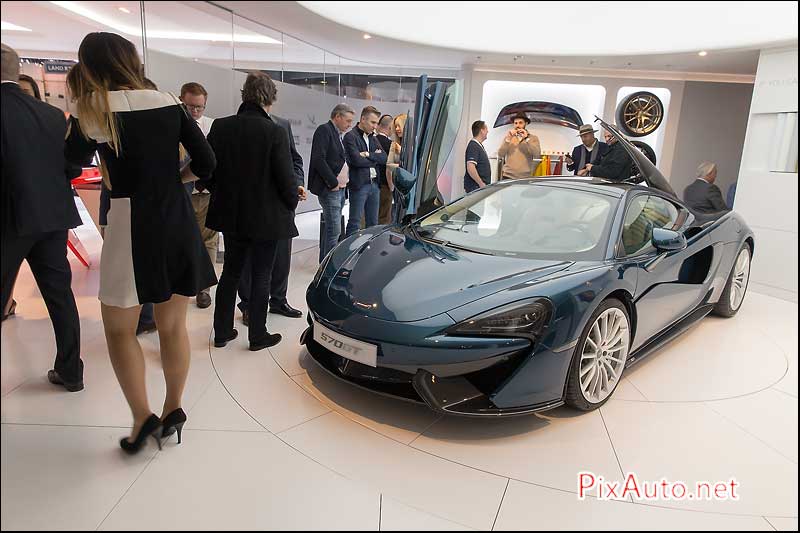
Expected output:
{"points": [[766, 193]]}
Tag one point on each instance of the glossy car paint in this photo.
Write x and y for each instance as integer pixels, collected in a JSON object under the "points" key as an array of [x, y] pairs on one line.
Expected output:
{"points": [[387, 287]]}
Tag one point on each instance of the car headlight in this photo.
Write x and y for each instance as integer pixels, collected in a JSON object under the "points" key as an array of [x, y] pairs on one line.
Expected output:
{"points": [[526, 319]]}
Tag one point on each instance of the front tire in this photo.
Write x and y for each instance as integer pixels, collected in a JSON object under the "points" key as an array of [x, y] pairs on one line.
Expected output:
{"points": [[599, 359], [736, 288]]}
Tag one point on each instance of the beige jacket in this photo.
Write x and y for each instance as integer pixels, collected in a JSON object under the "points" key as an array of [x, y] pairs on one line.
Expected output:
{"points": [[519, 158]]}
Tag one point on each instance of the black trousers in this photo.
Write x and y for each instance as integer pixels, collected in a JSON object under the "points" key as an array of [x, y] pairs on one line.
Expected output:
{"points": [[47, 256], [262, 260], [279, 281]]}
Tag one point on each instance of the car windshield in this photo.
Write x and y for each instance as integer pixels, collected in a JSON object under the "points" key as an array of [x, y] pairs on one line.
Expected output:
{"points": [[525, 219]]}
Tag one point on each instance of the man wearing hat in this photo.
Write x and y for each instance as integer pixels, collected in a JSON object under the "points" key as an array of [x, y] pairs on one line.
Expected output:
{"points": [[519, 149], [589, 152], [615, 165]]}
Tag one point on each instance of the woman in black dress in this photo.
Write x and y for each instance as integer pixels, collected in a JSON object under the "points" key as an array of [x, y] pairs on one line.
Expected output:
{"points": [[152, 250]]}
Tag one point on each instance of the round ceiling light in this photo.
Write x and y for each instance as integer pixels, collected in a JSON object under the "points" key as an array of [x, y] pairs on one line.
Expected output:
{"points": [[484, 27]]}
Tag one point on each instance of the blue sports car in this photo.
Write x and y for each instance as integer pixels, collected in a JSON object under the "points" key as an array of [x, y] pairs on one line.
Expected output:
{"points": [[525, 295]]}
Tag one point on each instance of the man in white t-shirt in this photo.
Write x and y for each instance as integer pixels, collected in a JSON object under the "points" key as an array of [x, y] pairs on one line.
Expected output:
{"points": [[195, 97]]}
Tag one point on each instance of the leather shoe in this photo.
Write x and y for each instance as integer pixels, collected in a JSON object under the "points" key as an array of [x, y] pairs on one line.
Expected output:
{"points": [[267, 342], [203, 300], [221, 343], [145, 327], [286, 310], [246, 318], [55, 379]]}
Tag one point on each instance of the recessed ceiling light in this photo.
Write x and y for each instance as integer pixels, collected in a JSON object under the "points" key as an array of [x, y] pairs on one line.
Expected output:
{"points": [[702, 53], [124, 10], [7, 26], [367, 36]]}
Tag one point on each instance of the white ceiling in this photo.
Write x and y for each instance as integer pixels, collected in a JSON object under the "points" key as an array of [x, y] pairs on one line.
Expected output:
{"points": [[572, 28], [348, 42], [197, 29]]}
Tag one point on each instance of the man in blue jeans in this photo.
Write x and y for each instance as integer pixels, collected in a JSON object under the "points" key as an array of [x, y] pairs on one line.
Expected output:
{"points": [[328, 173], [364, 156]]}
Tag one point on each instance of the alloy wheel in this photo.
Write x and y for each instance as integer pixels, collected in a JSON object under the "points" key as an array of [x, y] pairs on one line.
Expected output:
{"points": [[741, 275], [604, 354]]}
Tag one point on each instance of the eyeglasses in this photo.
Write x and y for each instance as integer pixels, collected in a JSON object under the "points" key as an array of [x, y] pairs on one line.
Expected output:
{"points": [[195, 107]]}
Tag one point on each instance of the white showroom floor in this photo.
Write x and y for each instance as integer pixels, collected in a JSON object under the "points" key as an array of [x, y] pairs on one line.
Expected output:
{"points": [[273, 443]]}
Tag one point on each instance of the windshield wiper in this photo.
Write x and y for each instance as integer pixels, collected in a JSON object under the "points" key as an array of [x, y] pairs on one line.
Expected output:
{"points": [[464, 248]]}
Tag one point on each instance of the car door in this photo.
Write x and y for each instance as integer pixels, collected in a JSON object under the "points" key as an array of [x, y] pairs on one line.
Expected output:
{"points": [[425, 150], [668, 285]]}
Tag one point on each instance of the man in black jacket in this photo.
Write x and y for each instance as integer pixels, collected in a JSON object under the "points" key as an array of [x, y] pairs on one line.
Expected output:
{"points": [[38, 209], [279, 283], [702, 196], [328, 173], [253, 198], [590, 151], [364, 156], [615, 165]]}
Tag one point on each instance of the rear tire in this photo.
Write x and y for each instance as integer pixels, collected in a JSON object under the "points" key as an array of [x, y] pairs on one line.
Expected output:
{"points": [[576, 395], [736, 287]]}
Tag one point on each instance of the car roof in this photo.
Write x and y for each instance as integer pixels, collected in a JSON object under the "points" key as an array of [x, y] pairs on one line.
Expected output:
{"points": [[595, 185]]}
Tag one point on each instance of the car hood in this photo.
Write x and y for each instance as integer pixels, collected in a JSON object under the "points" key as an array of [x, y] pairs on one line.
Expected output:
{"points": [[397, 277]]}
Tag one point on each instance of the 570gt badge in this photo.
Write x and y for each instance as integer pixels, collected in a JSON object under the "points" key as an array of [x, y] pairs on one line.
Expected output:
{"points": [[339, 344]]}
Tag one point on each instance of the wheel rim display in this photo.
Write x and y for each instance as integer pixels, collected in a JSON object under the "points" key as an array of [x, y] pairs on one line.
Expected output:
{"points": [[741, 275], [643, 114], [603, 356]]}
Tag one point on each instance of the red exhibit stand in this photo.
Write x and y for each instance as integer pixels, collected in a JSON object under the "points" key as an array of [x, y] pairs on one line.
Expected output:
{"points": [[87, 185]]}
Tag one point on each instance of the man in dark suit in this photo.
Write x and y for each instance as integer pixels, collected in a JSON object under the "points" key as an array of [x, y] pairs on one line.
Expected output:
{"points": [[589, 151], [384, 136], [702, 196], [253, 198], [364, 155], [279, 284], [615, 165], [328, 173], [38, 209]]}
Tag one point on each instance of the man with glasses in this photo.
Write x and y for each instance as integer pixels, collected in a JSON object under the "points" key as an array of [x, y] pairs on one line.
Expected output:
{"points": [[194, 97]]}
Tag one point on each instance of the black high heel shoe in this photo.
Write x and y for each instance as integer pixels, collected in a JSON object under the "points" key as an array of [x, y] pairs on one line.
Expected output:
{"points": [[151, 428], [173, 423]]}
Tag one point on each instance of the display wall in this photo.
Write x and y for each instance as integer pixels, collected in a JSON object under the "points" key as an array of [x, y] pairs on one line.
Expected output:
{"points": [[713, 123], [704, 120], [766, 194], [587, 100]]}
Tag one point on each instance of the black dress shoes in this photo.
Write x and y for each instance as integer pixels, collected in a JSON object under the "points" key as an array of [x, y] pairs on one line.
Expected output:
{"points": [[203, 300], [267, 342], [72, 386], [286, 310], [222, 342]]}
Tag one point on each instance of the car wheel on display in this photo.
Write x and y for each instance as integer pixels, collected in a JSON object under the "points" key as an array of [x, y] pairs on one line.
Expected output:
{"points": [[600, 356], [649, 153], [640, 114], [735, 289]]}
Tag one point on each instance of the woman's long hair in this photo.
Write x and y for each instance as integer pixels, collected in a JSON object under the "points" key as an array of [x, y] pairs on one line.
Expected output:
{"points": [[107, 62], [402, 119]]}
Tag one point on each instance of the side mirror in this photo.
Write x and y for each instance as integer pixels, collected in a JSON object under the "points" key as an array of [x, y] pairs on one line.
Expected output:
{"points": [[666, 240], [404, 180]]}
